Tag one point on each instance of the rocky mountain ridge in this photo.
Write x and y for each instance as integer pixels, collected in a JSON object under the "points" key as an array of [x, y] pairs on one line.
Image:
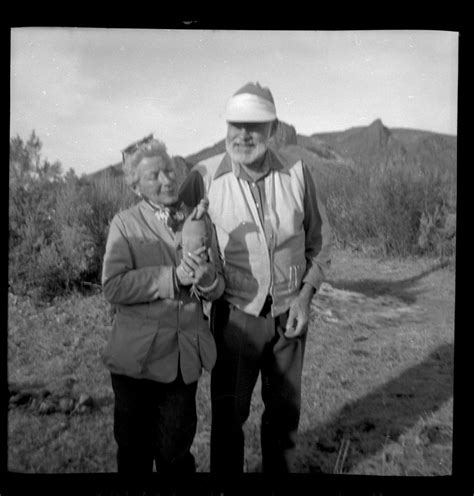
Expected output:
{"points": [[378, 146], [374, 145]]}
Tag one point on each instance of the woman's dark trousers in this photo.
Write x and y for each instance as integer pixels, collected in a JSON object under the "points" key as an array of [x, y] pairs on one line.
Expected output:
{"points": [[154, 423]]}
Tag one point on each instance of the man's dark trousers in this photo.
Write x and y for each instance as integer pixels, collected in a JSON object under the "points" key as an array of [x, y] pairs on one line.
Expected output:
{"points": [[154, 422], [247, 346]]}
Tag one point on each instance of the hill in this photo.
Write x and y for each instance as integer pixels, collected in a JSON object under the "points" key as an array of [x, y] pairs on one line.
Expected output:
{"points": [[378, 146], [364, 146]]}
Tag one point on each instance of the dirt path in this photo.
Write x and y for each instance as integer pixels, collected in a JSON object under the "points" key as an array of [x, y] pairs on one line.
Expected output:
{"points": [[379, 369], [365, 290]]}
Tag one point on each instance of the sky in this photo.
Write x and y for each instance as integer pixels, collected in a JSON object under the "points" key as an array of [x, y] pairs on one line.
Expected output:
{"points": [[89, 92]]}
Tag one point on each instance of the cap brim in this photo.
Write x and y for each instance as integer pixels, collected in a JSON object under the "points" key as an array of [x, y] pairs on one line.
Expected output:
{"points": [[249, 108], [249, 118]]}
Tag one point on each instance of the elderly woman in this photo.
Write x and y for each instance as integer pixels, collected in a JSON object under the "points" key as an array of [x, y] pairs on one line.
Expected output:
{"points": [[160, 339]]}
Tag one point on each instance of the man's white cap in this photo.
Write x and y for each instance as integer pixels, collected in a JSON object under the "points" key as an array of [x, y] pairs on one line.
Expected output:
{"points": [[251, 103]]}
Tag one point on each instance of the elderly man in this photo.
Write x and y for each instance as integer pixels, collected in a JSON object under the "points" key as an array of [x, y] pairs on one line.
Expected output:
{"points": [[274, 240], [160, 340]]}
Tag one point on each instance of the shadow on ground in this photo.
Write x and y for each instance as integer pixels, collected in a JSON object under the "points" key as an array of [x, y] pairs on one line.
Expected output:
{"points": [[379, 417], [402, 289]]}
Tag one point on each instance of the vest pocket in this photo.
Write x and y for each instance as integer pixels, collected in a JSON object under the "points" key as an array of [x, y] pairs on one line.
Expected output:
{"points": [[294, 280]]}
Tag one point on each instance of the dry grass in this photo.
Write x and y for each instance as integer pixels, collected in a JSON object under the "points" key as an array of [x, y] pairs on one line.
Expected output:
{"points": [[377, 380]]}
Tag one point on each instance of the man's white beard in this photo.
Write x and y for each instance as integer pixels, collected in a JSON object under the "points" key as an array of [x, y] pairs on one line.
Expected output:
{"points": [[244, 158]]}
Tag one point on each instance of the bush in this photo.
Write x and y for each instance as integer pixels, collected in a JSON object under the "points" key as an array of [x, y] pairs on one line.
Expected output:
{"points": [[388, 208], [349, 208], [84, 210], [32, 195], [58, 224], [105, 196]]}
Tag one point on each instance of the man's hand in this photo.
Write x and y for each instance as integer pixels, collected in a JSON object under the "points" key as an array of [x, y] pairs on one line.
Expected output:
{"points": [[198, 267], [298, 316]]}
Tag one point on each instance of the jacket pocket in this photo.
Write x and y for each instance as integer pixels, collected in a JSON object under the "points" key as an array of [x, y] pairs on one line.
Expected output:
{"points": [[207, 349], [129, 344], [147, 253]]}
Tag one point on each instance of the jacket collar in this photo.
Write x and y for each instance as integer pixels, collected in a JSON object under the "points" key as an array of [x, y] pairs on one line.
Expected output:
{"points": [[271, 158], [153, 213]]}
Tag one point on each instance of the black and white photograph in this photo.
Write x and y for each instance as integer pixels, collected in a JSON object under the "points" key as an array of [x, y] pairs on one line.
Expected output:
{"points": [[232, 252]]}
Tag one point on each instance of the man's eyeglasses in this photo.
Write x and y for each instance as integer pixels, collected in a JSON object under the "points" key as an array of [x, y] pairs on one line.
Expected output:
{"points": [[135, 146]]}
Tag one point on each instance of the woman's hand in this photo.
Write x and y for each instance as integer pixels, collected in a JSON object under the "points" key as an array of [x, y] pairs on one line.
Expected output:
{"points": [[185, 276], [198, 267]]}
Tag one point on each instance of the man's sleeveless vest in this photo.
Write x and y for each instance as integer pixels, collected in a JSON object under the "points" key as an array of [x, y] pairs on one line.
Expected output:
{"points": [[255, 264]]}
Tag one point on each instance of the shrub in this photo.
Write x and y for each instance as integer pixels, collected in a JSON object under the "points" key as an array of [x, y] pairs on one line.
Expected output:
{"points": [[32, 195], [84, 210], [349, 208], [389, 208], [105, 196], [50, 275], [58, 224]]}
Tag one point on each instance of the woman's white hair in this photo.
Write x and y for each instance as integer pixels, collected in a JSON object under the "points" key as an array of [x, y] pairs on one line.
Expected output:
{"points": [[150, 148]]}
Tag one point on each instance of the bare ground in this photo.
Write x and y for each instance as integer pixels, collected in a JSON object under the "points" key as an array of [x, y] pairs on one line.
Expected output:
{"points": [[377, 380], [387, 357]]}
